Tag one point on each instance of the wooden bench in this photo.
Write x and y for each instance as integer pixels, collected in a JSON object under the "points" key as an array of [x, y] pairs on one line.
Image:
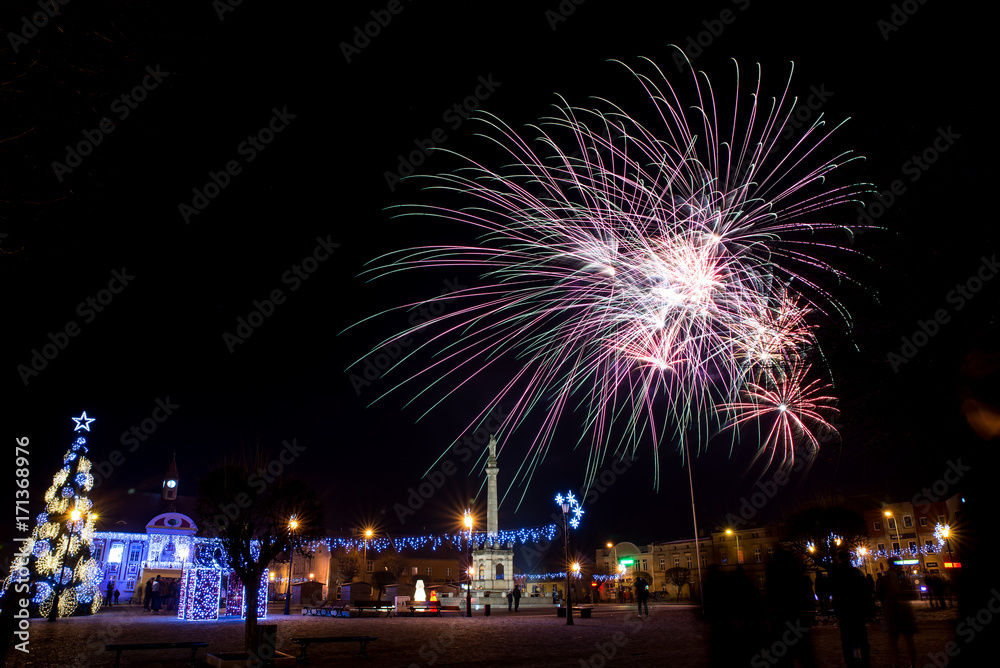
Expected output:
{"points": [[379, 606], [328, 611], [449, 608], [581, 611], [425, 606], [118, 649], [315, 640]]}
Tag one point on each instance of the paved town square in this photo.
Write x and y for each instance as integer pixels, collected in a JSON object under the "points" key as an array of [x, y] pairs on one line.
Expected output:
{"points": [[671, 635]]}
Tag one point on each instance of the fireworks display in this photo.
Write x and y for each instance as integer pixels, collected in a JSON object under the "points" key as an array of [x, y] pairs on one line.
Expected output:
{"points": [[642, 283]]}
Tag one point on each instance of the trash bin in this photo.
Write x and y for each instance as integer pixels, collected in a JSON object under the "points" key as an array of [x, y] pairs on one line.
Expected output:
{"points": [[486, 610]]}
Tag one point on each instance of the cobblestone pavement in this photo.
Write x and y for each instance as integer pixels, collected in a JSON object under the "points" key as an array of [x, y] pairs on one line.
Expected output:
{"points": [[614, 636]]}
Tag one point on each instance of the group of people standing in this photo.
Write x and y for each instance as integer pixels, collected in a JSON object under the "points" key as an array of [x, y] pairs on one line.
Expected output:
{"points": [[112, 594], [158, 593], [778, 626], [514, 599]]}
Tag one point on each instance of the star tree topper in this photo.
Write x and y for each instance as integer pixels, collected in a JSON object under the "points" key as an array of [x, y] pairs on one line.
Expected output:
{"points": [[83, 422]]}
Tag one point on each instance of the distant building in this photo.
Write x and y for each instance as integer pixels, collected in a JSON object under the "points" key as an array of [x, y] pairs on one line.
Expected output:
{"points": [[153, 534]]}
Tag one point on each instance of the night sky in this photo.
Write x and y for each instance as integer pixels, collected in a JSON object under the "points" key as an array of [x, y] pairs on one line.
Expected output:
{"points": [[343, 113]]}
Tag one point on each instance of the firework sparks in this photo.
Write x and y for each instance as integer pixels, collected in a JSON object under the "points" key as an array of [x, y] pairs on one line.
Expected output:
{"points": [[650, 283]]}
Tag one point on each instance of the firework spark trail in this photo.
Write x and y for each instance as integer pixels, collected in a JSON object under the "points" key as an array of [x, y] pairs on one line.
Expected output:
{"points": [[646, 283]]}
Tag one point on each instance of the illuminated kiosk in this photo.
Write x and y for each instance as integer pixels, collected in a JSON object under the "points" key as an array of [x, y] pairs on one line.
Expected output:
{"points": [[201, 585], [236, 603]]}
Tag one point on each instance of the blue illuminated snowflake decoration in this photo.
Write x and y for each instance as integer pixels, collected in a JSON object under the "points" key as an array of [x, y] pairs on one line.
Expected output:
{"points": [[66, 492], [574, 508], [42, 518]]}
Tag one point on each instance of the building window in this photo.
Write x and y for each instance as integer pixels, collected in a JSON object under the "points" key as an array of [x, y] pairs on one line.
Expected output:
{"points": [[689, 562], [704, 561], [663, 564], [499, 572], [907, 522], [677, 562], [767, 533], [369, 566], [482, 572], [877, 526], [770, 553], [941, 519], [760, 582], [923, 521], [415, 570], [892, 523], [754, 534], [115, 555], [447, 572], [913, 546], [929, 545], [880, 547], [895, 547], [725, 559], [135, 552], [100, 550], [756, 554], [430, 571]]}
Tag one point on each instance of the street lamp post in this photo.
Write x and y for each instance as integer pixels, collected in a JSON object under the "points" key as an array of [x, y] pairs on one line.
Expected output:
{"points": [[729, 532], [364, 565], [569, 504], [468, 590], [863, 551], [292, 525]]}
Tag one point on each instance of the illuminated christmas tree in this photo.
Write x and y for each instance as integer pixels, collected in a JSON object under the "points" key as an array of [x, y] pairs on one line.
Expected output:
{"points": [[60, 561]]}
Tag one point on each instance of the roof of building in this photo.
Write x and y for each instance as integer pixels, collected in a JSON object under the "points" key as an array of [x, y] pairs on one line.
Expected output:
{"points": [[131, 513]]}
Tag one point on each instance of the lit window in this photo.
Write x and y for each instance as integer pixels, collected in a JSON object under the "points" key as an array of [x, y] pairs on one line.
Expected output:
{"points": [[115, 556]]}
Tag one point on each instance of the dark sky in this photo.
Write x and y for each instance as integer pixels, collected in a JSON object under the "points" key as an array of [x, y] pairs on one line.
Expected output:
{"points": [[342, 126]]}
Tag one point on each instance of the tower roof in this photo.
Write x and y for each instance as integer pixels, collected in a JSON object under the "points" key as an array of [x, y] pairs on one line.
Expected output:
{"points": [[172, 470]]}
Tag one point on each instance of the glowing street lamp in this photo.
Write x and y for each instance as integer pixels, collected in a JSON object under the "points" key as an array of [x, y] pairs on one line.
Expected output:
{"points": [[569, 504], [739, 557], [293, 524], [467, 520], [863, 551], [368, 534]]}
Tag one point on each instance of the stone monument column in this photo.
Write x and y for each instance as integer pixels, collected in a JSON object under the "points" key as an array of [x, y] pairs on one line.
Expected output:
{"points": [[492, 470]]}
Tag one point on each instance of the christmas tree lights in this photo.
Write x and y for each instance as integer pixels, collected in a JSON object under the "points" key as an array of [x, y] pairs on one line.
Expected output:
{"points": [[65, 577]]}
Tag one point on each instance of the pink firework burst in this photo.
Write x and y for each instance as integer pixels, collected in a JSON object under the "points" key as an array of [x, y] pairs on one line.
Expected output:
{"points": [[638, 280], [789, 407]]}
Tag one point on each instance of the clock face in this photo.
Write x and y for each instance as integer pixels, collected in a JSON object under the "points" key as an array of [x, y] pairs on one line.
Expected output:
{"points": [[171, 484]]}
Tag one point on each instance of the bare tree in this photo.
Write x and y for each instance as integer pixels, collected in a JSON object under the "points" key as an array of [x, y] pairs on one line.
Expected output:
{"points": [[348, 563], [255, 520], [678, 576]]}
